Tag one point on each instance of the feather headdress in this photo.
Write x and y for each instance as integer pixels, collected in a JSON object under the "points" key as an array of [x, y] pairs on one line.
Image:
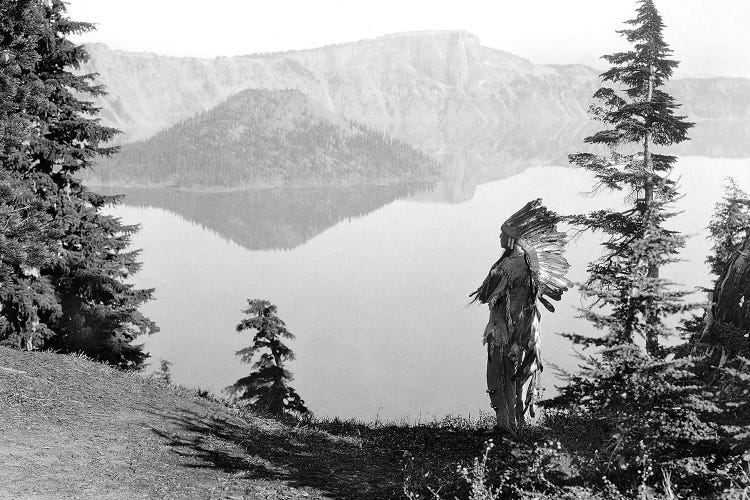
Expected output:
{"points": [[534, 229]]}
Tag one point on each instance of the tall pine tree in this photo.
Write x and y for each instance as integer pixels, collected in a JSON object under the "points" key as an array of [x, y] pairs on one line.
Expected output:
{"points": [[635, 396], [83, 302], [267, 387], [638, 115], [27, 239]]}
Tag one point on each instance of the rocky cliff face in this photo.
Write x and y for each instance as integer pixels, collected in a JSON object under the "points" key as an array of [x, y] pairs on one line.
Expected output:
{"points": [[426, 88], [431, 89], [484, 112]]}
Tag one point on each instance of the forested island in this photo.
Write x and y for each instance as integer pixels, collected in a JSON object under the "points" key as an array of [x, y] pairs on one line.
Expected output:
{"points": [[267, 138], [657, 408]]}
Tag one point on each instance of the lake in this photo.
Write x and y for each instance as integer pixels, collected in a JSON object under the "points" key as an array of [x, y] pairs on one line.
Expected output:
{"points": [[373, 281]]}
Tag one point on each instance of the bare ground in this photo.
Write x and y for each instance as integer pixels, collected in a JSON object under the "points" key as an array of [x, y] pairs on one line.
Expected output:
{"points": [[72, 428]]}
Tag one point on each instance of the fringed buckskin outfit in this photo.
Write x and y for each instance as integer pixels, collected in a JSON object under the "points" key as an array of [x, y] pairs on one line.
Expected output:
{"points": [[531, 269]]}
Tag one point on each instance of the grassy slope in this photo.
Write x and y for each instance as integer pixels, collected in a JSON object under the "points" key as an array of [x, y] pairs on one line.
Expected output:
{"points": [[72, 428]]}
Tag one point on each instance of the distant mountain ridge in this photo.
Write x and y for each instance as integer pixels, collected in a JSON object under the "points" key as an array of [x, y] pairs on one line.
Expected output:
{"points": [[267, 138], [432, 89]]}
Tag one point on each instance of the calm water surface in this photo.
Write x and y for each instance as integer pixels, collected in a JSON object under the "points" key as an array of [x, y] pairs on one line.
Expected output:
{"points": [[374, 282]]}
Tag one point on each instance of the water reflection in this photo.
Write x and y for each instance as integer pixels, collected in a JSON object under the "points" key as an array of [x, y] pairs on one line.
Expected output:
{"points": [[375, 279], [285, 218], [269, 219], [495, 153], [378, 302]]}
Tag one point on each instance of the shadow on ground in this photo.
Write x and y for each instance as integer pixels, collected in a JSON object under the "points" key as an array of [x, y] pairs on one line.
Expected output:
{"points": [[339, 466], [334, 459]]}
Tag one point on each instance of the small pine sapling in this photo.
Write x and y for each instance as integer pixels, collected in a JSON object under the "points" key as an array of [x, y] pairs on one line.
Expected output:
{"points": [[267, 387], [165, 373]]}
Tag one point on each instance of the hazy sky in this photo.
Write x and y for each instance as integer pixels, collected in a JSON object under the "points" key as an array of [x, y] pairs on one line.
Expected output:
{"points": [[710, 37]]}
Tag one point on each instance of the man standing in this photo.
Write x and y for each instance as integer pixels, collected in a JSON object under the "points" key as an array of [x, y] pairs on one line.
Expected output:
{"points": [[532, 268]]}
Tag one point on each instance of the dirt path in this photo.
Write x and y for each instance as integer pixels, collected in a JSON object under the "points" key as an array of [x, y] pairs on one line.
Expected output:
{"points": [[72, 428], [75, 429]]}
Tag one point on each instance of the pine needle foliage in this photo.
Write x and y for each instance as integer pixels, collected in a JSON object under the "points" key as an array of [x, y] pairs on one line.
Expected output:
{"points": [[26, 244], [728, 230], [729, 227], [267, 387], [638, 115], [652, 410], [628, 298], [77, 298], [24, 234], [723, 335]]}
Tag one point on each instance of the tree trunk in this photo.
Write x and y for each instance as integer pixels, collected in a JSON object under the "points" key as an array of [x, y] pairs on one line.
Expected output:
{"points": [[648, 163], [652, 339], [729, 319], [276, 400]]}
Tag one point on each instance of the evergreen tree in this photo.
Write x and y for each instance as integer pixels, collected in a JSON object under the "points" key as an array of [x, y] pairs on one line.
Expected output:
{"points": [[635, 396], [640, 117], [83, 302], [729, 227], [626, 279], [165, 372], [267, 387], [25, 246], [722, 334], [728, 230], [26, 234], [24, 240], [624, 285]]}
